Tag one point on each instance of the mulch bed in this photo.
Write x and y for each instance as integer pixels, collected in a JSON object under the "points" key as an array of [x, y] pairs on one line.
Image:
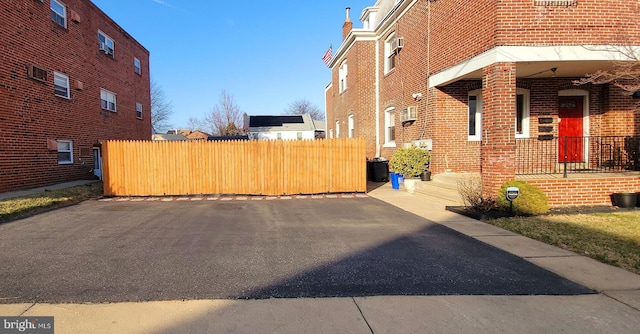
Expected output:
{"points": [[495, 214]]}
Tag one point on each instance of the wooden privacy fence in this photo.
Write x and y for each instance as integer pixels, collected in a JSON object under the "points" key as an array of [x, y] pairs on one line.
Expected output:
{"points": [[147, 168]]}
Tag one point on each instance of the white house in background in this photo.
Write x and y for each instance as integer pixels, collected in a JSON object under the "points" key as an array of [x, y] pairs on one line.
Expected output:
{"points": [[290, 127]]}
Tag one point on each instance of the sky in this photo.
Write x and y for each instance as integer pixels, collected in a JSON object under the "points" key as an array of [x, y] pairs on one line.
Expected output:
{"points": [[265, 54]]}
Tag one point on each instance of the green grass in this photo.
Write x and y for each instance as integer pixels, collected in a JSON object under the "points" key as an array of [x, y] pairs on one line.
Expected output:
{"points": [[612, 238], [18, 207]]}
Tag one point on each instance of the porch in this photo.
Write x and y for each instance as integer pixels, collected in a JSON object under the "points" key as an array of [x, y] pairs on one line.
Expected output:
{"points": [[579, 171], [564, 156]]}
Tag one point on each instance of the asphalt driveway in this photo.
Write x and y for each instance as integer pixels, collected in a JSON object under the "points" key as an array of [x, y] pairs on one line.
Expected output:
{"points": [[140, 251]]}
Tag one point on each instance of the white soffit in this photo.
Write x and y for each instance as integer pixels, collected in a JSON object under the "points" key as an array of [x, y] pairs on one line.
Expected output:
{"points": [[520, 54]]}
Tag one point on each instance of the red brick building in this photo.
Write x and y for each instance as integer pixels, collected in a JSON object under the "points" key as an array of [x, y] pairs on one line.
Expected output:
{"points": [[489, 86], [70, 77]]}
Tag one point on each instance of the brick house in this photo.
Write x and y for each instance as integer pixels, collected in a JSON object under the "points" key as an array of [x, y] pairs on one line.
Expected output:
{"points": [[489, 85], [70, 77]]}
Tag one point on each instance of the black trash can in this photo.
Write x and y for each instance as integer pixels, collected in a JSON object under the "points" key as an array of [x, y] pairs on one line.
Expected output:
{"points": [[378, 170]]}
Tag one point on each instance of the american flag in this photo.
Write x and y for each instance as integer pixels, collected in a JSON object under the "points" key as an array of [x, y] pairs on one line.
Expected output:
{"points": [[328, 56]]}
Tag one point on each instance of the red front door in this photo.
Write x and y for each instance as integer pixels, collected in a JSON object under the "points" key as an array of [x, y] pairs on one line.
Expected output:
{"points": [[570, 129]]}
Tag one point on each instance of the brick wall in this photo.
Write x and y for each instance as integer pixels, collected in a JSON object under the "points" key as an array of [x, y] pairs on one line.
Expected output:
{"points": [[409, 76], [585, 191], [30, 113], [463, 29], [359, 97], [590, 22]]}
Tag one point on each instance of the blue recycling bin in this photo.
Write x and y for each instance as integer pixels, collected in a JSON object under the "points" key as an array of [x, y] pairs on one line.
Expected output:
{"points": [[395, 180]]}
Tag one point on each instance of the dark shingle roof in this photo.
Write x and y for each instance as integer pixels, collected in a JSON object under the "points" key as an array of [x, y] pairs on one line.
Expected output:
{"points": [[264, 121]]}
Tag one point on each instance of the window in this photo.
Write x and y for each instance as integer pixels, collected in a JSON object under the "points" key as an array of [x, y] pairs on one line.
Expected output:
{"points": [[389, 54], [390, 127], [279, 135], [351, 126], [59, 13], [105, 43], [337, 129], [522, 113], [61, 85], [136, 66], [138, 110], [342, 76], [65, 152], [475, 115], [299, 135], [108, 100]]}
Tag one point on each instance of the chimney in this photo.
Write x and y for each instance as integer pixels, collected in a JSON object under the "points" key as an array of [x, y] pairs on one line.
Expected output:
{"points": [[347, 26]]}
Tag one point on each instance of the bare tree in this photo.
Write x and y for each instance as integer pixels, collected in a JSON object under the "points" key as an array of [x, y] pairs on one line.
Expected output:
{"points": [[161, 109], [195, 124], [303, 106], [624, 74], [225, 119]]}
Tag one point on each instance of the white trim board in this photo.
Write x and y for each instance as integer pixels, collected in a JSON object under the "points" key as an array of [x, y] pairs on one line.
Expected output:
{"points": [[518, 54]]}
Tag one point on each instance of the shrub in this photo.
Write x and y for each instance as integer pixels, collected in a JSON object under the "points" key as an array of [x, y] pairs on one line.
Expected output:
{"points": [[470, 189], [409, 162], [531, 201]]}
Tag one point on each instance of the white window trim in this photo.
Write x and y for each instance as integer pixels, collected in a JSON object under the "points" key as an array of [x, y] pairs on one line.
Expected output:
{"points": [[107, 39], [343, 73], [389, 113], [139, 110], [63, 14], [478, 136], [108, 94], [61, 76], [137, 66], [337, 129], [70, 150], [387, 53], [525, 113], [351, 126]]}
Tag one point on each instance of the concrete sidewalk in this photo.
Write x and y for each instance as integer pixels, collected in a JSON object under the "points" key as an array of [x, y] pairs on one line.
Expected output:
{"points": [[614, 309]]}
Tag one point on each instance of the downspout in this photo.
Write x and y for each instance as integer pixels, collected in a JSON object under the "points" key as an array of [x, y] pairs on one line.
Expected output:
{"points": [[426, 102], [377, 83]]}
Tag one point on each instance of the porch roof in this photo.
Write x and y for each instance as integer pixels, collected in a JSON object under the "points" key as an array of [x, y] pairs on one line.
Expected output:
{"points": [[537, 62]]}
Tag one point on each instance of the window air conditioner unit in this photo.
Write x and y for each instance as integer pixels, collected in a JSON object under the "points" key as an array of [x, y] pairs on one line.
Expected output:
{"points": [[397, 44], [103, 46], [409, 114]]}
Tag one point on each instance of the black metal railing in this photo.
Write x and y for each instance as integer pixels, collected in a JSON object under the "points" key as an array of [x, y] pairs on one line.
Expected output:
{"points": [[565, 155]]}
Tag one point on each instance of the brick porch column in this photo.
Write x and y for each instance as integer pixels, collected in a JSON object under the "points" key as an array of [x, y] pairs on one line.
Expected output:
{"points": [[498, 147]]}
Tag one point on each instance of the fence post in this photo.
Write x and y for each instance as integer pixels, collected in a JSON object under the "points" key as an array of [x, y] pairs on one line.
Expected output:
{"points": [[566, 148]]}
